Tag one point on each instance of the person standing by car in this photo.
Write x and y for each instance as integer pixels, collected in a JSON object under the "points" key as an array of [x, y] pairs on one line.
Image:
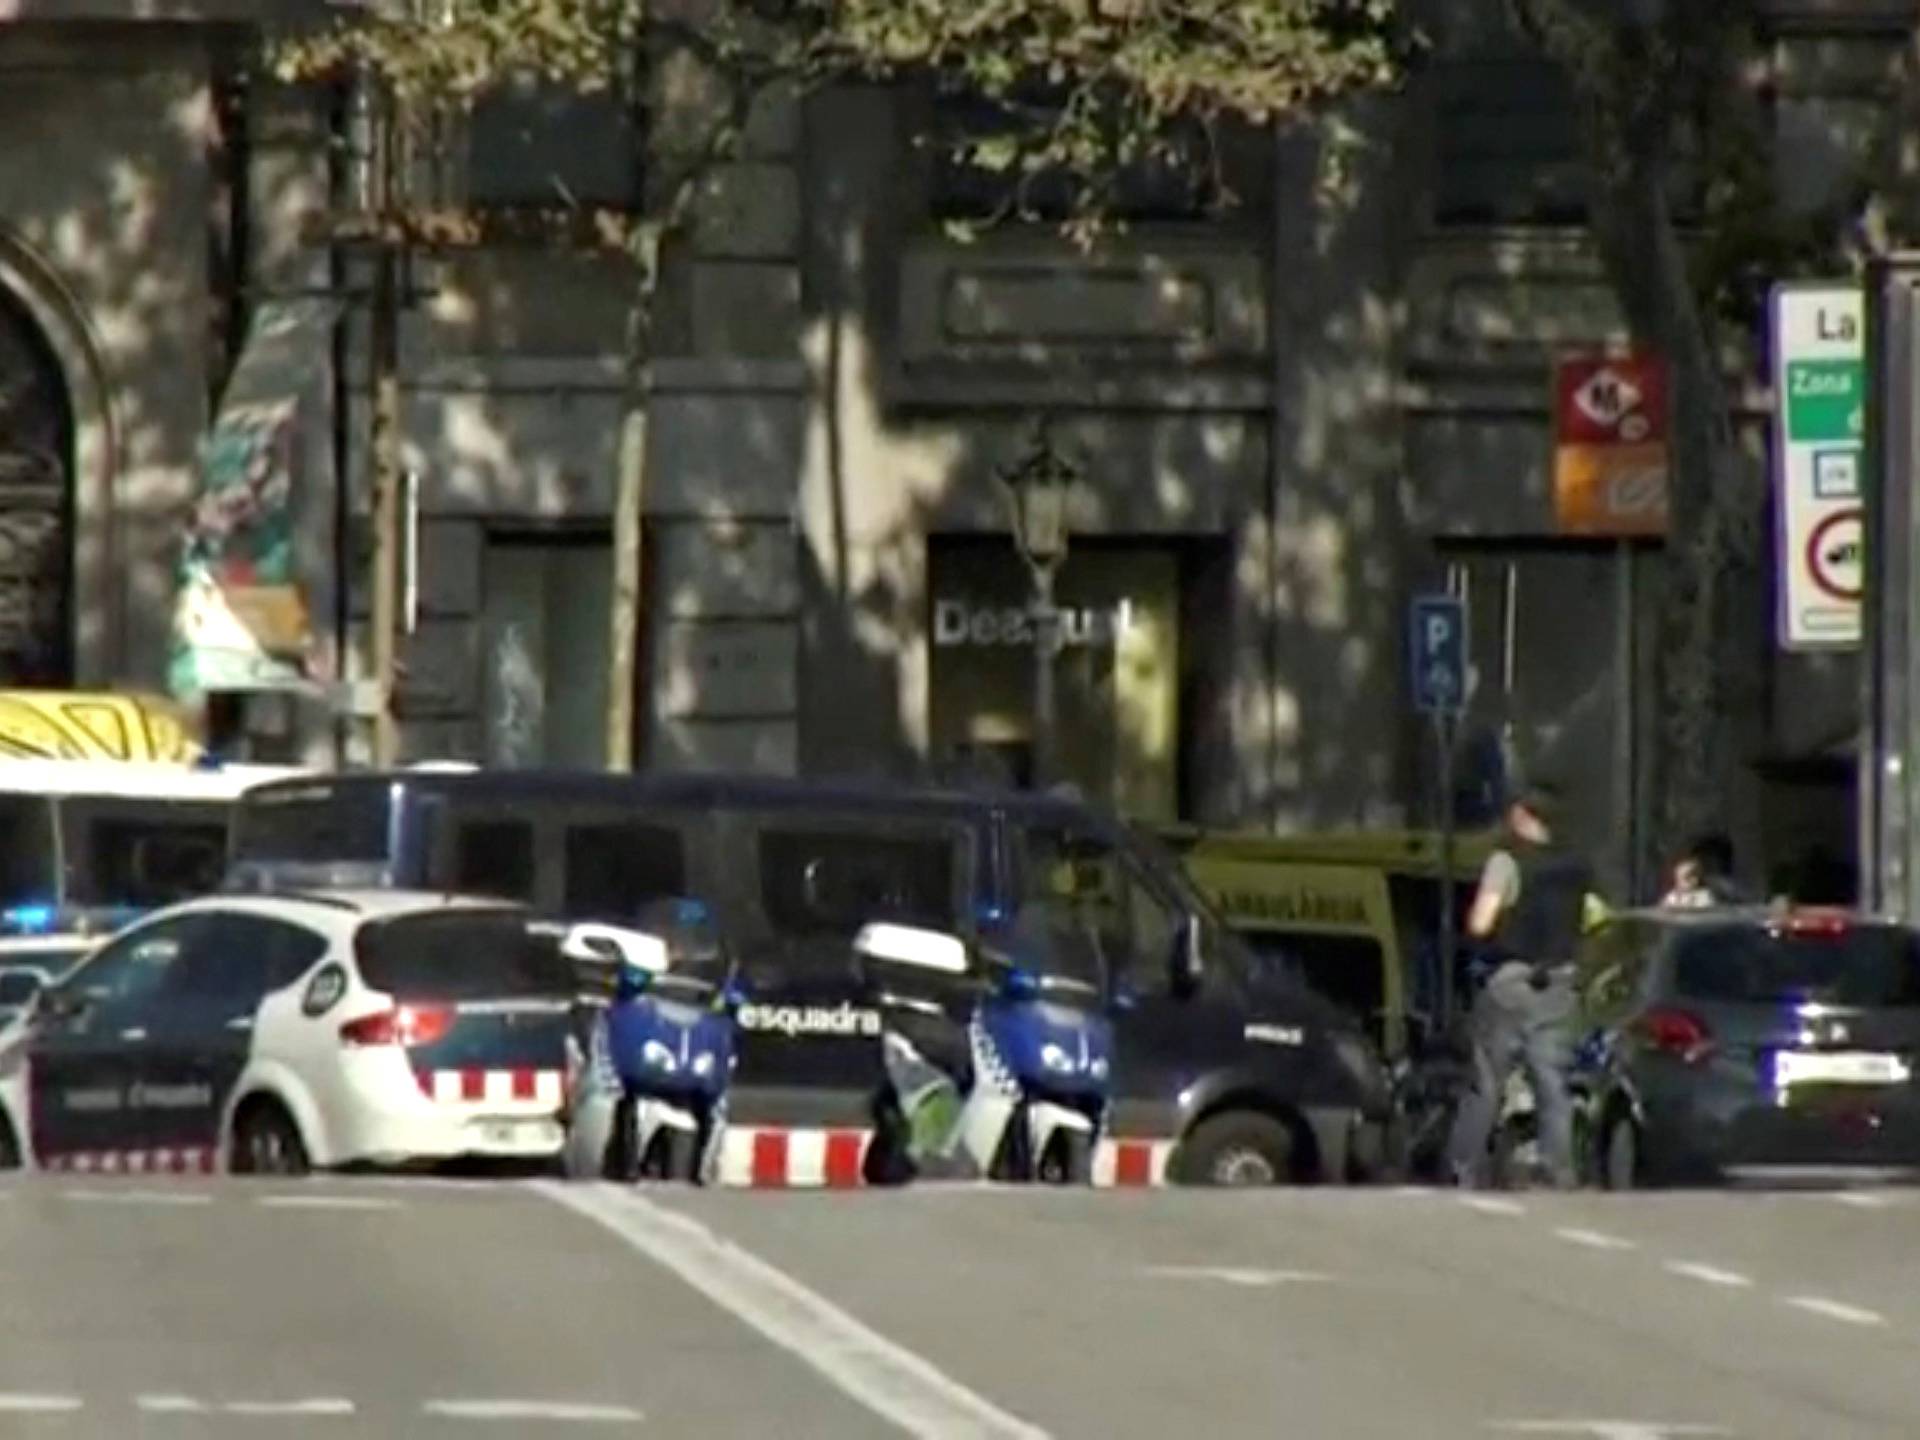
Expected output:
{"points": [[1530, 907]]}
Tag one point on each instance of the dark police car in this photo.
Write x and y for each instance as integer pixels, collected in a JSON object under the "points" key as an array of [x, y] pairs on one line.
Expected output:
{"points": [[1753, 1037], [1227, 1069]]}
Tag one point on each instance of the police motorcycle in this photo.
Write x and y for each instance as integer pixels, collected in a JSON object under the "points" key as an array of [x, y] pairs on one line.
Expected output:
{"points": [[650, 1092], [997, 1060]]}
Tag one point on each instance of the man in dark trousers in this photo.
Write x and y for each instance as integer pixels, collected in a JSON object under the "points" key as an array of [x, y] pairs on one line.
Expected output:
{"points": [[1530, 904]]}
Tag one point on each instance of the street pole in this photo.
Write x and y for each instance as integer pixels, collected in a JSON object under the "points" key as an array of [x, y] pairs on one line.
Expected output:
{"points": [[1890, 611], [1449, 946], [1046, 627]]}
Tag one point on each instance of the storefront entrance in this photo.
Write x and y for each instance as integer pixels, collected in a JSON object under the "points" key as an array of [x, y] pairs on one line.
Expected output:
{"points": [[1118, 676], [36, 506]]}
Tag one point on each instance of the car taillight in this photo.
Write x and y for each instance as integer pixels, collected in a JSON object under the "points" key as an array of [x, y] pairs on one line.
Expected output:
{"points": [[1675, 1032], [404, 1025]]}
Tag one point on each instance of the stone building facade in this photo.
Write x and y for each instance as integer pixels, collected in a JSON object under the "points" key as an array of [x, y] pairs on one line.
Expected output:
{"points": [[1289, 419]]}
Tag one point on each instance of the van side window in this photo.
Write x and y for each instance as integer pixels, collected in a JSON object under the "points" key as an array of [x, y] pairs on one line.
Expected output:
{"points": [[1087, 885], [494, 857], [614, 869], [1349, 970], [831, 882]]}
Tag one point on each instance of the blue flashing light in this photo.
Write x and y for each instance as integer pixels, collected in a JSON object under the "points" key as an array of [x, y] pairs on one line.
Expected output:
{"points": [[989, 914], [30, 919], [691, 912]]}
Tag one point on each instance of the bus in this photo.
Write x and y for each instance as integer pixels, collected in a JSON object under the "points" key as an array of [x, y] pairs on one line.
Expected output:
{"points": [[87, 845]]}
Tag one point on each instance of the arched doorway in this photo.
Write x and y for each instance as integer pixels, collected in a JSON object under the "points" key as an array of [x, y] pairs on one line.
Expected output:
{"points": [[36, 505]]}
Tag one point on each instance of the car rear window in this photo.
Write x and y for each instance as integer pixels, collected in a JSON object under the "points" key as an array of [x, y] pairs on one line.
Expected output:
{"points": [[484, 956], [1860, 965]]}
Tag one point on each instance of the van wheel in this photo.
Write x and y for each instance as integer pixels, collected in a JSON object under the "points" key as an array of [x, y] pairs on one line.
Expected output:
{"points": [[1237, 1149], [266, 1142]]}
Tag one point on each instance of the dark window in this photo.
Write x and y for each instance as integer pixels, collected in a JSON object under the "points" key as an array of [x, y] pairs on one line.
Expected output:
{"points": [[128, 971], [234, 961], [494, 857], [1349, 970], [27, 874], [1509, 145], [470, 955], [1079, 890], [143, 852], [613, 870], [313, 823], [831, 882], [1861, 965], [533, 146]]}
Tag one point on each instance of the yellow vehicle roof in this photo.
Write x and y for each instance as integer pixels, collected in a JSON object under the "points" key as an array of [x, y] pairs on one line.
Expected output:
{"points": [[94, 725]]}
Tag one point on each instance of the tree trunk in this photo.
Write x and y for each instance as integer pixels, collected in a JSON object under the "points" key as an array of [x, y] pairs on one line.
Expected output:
{"points": [[1710, 500], [629, 511]]}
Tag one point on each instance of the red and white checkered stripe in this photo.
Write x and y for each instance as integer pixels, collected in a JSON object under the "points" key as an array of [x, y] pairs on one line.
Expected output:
{"points": [[783, 1159], [526, 1086], [168, 1160]]}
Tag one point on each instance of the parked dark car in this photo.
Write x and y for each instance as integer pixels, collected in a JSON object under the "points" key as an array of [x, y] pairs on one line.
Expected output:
{"points": [[1752, 1037]]}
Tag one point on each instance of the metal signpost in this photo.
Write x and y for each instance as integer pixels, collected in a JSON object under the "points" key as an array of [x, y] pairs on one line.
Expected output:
{"points": [[1438, 635], [1819, 384], [1889, 881]]}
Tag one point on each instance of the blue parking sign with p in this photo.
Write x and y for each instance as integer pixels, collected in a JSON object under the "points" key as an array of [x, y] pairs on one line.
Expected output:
{"points": [[1439, 625]]}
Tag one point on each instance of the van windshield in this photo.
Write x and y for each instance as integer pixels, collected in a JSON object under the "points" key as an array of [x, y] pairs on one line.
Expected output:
{"points": [[312, 824], [1747, 964]]}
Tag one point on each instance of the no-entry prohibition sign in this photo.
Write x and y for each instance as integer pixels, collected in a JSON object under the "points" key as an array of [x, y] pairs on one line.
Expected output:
{"points": [[1834, 555]]}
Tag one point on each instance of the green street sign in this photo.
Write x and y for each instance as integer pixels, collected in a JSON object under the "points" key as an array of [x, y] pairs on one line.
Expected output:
{"points": [[1824, 399]]}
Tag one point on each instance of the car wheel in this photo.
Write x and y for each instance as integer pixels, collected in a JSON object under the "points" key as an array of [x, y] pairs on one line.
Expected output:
{"points": [[1238, 1149], [1621, 1166], [267, 1142], [9, 1146]]}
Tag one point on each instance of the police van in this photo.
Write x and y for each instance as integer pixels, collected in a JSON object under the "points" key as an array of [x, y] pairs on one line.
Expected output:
{"points": [[276, 1034], [1228, 1069]]}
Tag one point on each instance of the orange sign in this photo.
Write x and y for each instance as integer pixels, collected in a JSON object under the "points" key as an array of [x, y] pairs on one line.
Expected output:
{"points": [[1610, 457]]}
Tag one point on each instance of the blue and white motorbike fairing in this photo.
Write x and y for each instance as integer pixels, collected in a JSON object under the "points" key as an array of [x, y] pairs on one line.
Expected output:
{"points": [[651, 1094], [1027, 1102]]}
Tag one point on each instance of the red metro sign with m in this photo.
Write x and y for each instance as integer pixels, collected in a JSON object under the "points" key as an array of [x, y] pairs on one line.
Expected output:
{"points": [[1610, 445]]}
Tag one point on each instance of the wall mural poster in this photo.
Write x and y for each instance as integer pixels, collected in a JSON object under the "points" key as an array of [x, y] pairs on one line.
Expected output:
{"points": [[242, 620]]}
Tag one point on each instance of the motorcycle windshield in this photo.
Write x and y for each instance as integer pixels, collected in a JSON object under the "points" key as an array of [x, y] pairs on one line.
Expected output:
{"points": [[1059, 951]]}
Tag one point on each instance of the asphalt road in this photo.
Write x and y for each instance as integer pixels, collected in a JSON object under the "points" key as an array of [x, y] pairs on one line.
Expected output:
{"points": [[405, 1308]]}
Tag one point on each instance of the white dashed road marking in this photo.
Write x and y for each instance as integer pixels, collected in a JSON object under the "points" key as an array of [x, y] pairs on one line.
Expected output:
{"points": [[531, 1410], [1233, 1275], [137, 1197], [1709, 1274], [1594, 1239], [1860, 1199], [1487, 1205], [1835, 1310], [19, 1404], [887, 1378], [1609, 1429], [327, 1202], [188, 1405]]}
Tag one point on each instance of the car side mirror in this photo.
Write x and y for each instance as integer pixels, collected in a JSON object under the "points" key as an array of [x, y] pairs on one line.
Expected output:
{"points": [[1188, 959]]}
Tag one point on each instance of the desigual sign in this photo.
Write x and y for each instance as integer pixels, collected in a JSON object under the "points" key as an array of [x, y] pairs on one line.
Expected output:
{"points": [[958, 622]]}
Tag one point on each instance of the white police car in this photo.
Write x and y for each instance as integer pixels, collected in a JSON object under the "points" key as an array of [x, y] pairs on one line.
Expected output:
{"points": [[278, 1033]]}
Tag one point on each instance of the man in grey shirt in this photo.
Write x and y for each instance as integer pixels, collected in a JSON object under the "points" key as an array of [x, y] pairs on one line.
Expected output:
{"points": [[1530, 904]]}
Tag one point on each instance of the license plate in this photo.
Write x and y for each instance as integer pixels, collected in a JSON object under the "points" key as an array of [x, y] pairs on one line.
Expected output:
{"points": [[518, 1134], [1847, 1067]]}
